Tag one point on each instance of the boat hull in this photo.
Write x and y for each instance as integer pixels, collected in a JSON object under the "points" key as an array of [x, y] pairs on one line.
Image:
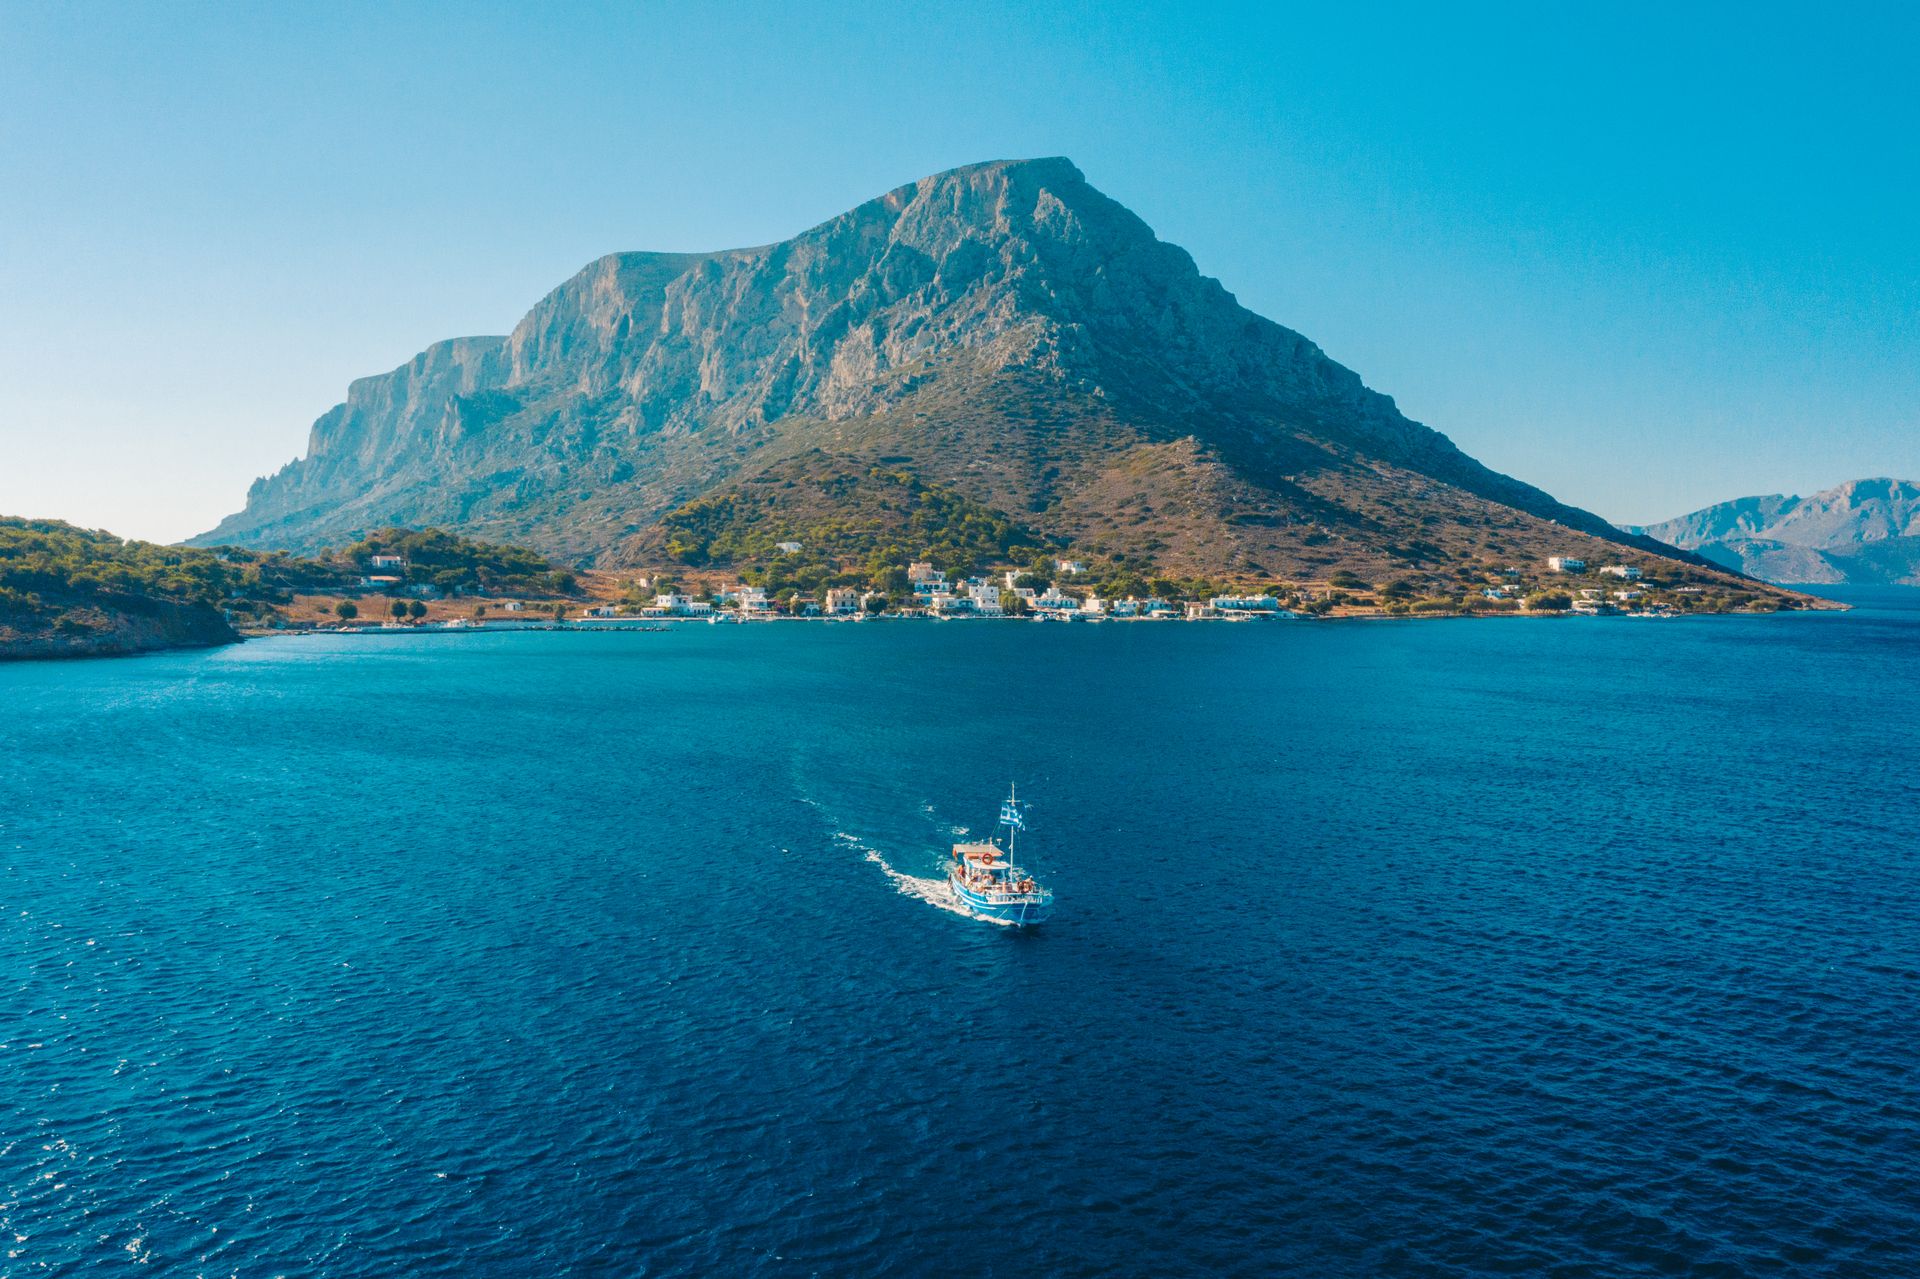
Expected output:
{"points": [[1020, 909]]}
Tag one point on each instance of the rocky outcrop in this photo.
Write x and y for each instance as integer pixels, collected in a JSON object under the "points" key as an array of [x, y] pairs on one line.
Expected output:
{"points": [[1863, 532], [1002, 328], [110, 625]]}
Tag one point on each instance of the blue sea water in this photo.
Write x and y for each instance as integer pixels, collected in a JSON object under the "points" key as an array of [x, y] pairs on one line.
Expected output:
{"points": [[1430, 948]]}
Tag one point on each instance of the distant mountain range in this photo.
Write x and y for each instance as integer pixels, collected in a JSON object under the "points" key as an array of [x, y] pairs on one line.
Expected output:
{"points": [[1863, 532], [1002, 336]]}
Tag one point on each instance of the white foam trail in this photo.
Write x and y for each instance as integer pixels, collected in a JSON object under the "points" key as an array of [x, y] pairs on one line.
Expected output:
{"points": [[934, 892]]}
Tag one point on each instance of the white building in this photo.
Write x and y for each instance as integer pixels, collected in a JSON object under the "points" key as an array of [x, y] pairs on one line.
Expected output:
{"points": [[513, 606], [750, 599], [1053, 601], [1566, 564], [842, 600], [1069, 567], [679, 605], [787, 548], [1244, 604], [387, 561], [1093, 606], [985, 596], [599, 610], [1627, 571], [1128, 607]]}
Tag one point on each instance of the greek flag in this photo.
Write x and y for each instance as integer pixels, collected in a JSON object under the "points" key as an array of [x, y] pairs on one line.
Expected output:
{"points": [[1011, 816]]}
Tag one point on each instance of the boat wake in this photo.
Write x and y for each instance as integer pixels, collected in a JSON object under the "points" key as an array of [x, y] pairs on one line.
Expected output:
{"points": [[934, 892]]}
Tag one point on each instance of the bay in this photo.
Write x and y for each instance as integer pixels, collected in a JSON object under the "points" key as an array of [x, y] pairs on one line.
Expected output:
{"points": [[1451, 948]]}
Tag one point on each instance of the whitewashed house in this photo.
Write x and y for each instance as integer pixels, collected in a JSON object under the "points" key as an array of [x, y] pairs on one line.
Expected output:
{"points": [[676, 604], [1566, 564], [1627, 571], [1244, 604], [1054, 600]]}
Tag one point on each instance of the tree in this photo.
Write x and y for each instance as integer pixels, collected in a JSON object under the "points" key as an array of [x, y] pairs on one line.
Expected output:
{"points": [[1012, 604], [559, 611], [346, 610], [479, 611], [876, 604], [1349, 581], [398, 608], [416, 610]]}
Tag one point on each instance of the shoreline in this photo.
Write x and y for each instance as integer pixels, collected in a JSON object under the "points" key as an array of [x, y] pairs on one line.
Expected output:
{"points": [[656, 625]]}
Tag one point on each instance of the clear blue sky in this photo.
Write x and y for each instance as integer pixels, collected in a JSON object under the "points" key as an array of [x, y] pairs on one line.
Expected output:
{"points": [[1646, 258]]}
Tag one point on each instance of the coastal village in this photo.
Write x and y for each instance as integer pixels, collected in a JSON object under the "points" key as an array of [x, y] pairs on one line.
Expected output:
{"points": [[391, 595]]}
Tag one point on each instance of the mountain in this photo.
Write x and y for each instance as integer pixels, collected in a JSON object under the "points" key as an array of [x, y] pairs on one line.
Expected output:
{"points": [[1863, 532], [1002, 334]]}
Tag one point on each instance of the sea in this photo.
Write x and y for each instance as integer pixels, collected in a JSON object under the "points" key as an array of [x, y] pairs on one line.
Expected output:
{"points": [[1583, 947]]}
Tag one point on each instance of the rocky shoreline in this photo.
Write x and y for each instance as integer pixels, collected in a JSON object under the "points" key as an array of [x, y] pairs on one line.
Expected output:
{"points": [[113, 627]]}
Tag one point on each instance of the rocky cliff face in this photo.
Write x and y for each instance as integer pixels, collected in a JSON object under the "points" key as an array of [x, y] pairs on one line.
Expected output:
{"points": [[1864, 532], [1002, 328]]}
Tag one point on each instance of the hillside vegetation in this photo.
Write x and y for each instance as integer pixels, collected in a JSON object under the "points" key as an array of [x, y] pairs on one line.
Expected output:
{"points": [[67, 591]]}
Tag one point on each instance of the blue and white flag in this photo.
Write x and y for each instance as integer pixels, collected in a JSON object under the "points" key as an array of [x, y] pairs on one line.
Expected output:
{"points": [[1011, 816]]}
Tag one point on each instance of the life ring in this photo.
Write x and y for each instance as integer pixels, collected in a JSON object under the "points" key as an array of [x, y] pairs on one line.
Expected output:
{"points": [[986, 859]]}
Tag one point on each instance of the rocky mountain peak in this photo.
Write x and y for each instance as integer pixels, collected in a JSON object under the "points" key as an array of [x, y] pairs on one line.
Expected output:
{"points": [[1003, 326]]}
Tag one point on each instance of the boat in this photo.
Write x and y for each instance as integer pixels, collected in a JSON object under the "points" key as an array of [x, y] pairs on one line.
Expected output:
{"points": [[988, 884]]}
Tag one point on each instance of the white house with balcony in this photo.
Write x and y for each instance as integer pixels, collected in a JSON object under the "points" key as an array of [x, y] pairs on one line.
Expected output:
{"points": [[1627, 571], [749, 599], [985, 596], [379, 562], [1054, 600], [842, 601], [1566, 564]]}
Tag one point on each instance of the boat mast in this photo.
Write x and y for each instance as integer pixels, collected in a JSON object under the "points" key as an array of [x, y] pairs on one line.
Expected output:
{"points": [[1011, 816]]}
